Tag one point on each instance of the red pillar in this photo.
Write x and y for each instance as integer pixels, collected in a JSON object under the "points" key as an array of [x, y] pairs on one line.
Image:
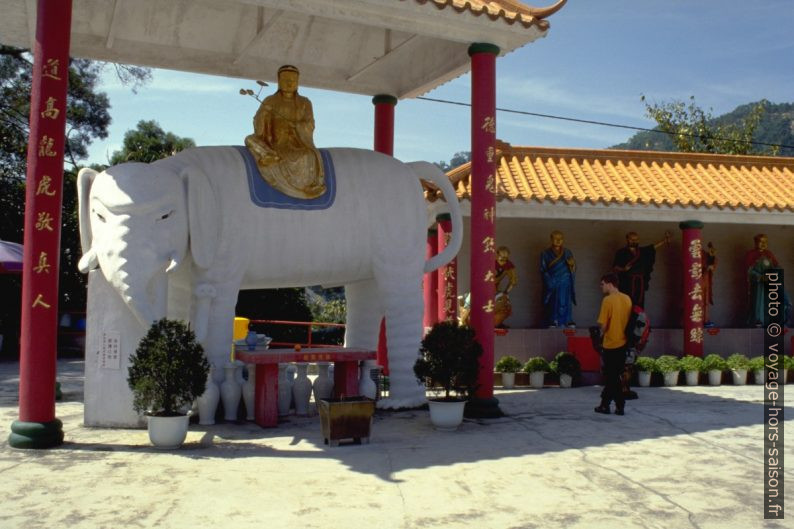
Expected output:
{"points": [[694, 299], [384, 142], [448, 274], [37, 426], [430, 285], [483, 204]]}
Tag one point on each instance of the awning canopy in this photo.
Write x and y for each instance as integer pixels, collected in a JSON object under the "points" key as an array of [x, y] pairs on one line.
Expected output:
{"points": [[397, 47]]}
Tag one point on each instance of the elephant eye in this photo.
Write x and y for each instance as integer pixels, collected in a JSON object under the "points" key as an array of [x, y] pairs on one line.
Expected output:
{"points": [[166, 215], [99, 216]]}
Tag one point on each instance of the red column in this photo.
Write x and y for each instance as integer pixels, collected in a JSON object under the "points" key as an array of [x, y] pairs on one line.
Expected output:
{"points": [[37, 426], [483, 204], [448, 274], [384, 142], [430, 285], [694, 300]]}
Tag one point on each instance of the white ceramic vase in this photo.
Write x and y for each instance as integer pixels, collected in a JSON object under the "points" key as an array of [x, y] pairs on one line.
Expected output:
{"points": [[566, 380], [284, 390], [167, 432], [692, 378], [323, 385], [671, 378], [715, 377], [208, 401], [536, 379], [508, 380], [644, 378], [446, 416], [739, 377], [302, 390], [249, 388], [230, 392], [366, 386], [292, 370]]}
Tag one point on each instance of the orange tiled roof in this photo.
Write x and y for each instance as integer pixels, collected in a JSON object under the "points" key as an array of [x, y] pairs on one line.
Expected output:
{"points": [[511, 11], [580, 176]]}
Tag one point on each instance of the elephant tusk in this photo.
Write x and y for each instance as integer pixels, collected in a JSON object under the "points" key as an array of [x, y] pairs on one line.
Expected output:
{"points": [[88, 261], [175, 262]]}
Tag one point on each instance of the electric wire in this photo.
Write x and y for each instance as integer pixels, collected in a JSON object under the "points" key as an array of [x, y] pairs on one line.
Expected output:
{"points": [[606, 124]]}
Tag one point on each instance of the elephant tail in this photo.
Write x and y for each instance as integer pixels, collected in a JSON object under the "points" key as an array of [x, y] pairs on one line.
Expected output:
{"points": [[431, 173]]}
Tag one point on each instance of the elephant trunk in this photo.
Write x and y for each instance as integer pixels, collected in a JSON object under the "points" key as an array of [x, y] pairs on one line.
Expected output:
{"points": [[147, 299]]}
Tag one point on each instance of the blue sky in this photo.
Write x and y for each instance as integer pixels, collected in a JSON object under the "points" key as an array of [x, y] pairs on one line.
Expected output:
{"points": [[597, 60]]}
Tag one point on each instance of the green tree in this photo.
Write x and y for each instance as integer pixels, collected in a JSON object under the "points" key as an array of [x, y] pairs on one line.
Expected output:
{"points": [[694, 130], [459, 158], [148, 142]]}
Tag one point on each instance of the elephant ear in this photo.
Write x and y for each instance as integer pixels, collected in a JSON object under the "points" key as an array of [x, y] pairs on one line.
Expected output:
{"points": [[85, 179], [203, 216]]}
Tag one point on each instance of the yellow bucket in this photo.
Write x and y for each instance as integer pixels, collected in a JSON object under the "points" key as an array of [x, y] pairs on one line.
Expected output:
{"points": [[240, 328]]}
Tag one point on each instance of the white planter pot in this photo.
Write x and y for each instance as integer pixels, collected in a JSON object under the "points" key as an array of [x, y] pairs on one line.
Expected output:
{"points": [[671, 378], [536, 379], [692, 378], [759, 376], [644, 378], [167, 432], [566, 381], [508, 380], [739, 377], [715, 377], [445, 415]]}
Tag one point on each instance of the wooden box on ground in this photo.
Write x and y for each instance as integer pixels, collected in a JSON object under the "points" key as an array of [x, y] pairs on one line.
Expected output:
{"points": [[346, 418]]}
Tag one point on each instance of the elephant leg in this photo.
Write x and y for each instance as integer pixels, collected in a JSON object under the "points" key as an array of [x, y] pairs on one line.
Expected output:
{"points": [[401, 293], [220, 321], [364, 313]]}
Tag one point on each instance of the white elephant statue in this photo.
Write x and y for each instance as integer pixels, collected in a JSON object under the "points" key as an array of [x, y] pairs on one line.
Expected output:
{"points": [[180, 237]]}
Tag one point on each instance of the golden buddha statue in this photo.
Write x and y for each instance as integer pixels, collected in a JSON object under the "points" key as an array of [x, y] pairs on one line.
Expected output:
{"points": [[282, 142]]}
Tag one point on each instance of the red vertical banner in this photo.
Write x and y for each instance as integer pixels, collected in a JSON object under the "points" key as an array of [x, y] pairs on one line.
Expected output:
{"points": [[694, 296], [384, 123], [448, 274], [430, 284], [37, 426], [483, 203], [384, 142]]}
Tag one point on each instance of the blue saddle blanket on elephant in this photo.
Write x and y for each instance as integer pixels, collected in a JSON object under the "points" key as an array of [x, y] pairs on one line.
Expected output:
{"points": [[266, 196]]}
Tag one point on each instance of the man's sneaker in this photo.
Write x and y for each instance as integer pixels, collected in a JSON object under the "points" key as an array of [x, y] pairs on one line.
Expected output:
{"points": [[602, 409]]}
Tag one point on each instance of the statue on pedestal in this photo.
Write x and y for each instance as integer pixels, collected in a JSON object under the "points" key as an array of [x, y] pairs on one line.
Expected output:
{"points": [[505, 272], [282, 142], [756, 262], [558, 268], [634, 263]]}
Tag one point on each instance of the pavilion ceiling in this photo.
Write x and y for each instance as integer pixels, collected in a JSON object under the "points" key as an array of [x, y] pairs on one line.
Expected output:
{"points": [[398, 47]]}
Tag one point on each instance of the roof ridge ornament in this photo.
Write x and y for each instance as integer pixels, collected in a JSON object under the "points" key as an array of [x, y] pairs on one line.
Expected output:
{"points": [[545, 12]]}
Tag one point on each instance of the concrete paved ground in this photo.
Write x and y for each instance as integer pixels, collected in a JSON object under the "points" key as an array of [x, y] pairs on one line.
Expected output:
{"points": [[680, 457]]}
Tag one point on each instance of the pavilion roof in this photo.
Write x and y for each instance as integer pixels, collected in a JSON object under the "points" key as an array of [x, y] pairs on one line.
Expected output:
{"points": [[398, 47], [637, 178]]}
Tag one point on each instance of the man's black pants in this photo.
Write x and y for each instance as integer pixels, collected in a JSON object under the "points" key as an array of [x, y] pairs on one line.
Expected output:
{"points": [[614, 362]]}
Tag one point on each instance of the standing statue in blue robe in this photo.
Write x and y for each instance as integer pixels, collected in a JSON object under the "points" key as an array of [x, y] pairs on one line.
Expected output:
{"points": [[558, 268]]}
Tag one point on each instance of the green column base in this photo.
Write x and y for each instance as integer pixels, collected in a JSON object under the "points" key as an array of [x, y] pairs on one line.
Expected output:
{"points": [[36, 434], [483, 409]]}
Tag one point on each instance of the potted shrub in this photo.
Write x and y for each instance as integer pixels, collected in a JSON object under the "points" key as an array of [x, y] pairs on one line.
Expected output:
{"points": [[645, 367], [508, 366], [691, 365], [738, 364], [537, 367], [757, 365], [167, 372], [449, 360], [567, 366], [714, 365], [788, 364], [668, 366]]}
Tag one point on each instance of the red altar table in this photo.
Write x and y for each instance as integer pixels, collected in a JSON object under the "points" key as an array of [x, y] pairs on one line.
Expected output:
{"points": [[267, 360]]}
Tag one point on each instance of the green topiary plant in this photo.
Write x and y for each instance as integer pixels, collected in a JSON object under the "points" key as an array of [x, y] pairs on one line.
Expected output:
{"points": [[667, 364], [449, 357], [757, 363], [566, 363], [737, 361], [507, 364], [168, 369], [536, 364], [691, 363], [713, 362], [788, 362], [645, 364]]}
